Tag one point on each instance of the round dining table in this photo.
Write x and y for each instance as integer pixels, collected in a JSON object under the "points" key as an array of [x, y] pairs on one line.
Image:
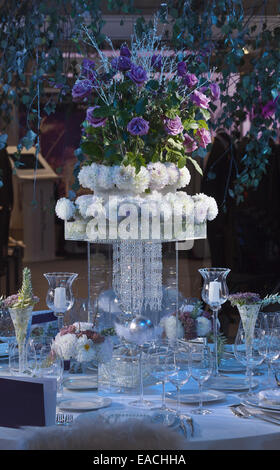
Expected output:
{"points": [[219, 430]]}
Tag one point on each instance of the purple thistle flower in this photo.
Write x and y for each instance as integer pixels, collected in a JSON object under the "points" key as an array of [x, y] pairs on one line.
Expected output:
{"points": [[173, 126], [244, 298], [200, 99], [190, 80], [122, 63], [81, 89], [181, 69], [95, 121], [124, 51], [156, 62], [138, 126], [138, 75]]}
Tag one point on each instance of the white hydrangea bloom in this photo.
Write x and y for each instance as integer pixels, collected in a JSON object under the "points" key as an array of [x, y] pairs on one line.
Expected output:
{"points": [[88, 176], [203, 326], [184, 178], [66, 344], [212, 211], [85, 349], [169, 325], [141, 180], [124, 177], [83, 202], [200, 211], [158, 175], [173, 173], [65, 209]]}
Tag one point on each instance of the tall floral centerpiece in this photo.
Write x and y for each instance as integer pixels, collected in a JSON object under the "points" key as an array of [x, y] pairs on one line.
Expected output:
{"points": [[145, 116], [20, 307]]}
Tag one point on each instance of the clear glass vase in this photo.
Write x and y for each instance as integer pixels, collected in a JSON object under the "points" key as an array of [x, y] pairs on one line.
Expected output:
{"points": [[22, 318], [248, 315]]}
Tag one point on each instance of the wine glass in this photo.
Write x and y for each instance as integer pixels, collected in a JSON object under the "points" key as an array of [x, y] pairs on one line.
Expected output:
{"points": [[30, 359], [202, 368], [269, 348], [215, 293], [180, 371], [51, 364], [161, 361], [248, 352], [60, 297]]}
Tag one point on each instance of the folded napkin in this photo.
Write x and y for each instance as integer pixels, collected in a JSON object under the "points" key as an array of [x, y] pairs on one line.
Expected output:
{"points": [[270, 396]]}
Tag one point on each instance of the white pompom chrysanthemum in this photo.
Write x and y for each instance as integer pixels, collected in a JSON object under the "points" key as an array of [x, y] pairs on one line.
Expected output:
{"points": [[212, 211], [184, 178], [104, 177], [169, 325], [88, 176], [83, 202], [65, 209], [124, 177], [173, 173], [141, 180]]}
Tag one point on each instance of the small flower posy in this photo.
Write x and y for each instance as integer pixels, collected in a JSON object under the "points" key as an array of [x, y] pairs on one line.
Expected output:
{"points": [[249, 298]]}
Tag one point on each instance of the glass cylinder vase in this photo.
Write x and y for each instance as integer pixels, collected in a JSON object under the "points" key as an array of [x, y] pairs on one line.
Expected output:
{"points": [[22, 318]]}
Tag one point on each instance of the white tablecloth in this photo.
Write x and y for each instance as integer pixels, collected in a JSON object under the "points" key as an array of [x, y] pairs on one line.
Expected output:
{"points": [[216, 431]]}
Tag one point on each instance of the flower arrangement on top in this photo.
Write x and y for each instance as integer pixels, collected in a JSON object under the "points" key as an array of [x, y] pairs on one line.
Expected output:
{"points": [[146, 114], [25, 297], [83, 344], [252, 298], [193, 322]]}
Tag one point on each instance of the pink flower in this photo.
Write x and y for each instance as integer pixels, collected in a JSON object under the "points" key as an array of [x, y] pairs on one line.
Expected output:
{"points": [[203, 136], [189, 143], [215, 90], [200, 99], [173, 126]]}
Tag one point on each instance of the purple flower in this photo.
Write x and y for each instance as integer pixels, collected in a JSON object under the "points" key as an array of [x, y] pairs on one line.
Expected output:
{"points": [[122, 63], [241, 298], [124, 51], [190, 79], [138, 75], [189, 143], [181, 69], [88, 69], [204, 137], [11, 300], [215, 90], [173, 126], [138, 126], [200, 99], [95, 121], [156, 62], [81, 89], [268, 110]]}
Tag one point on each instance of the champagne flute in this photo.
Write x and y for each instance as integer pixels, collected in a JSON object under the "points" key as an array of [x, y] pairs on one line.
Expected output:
{"points": [[202, 369], [161, 360], [180, 371]]}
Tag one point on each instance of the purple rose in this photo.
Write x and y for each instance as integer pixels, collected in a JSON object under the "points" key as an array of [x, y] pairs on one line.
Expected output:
{"points": [[87, 69], [215, 90], [124, 51], [173, 126], [190, 80], [181, 69], [268, 110], [122, 63], [95, 121], [138, 75], [156, 62], [138, 126], [200, 99], [189, 143], [81, 89], [204, 137]]}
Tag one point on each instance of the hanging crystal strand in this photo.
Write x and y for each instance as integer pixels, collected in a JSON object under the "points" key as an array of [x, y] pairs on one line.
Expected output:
{"points": [[153, 275], [137, 276]]}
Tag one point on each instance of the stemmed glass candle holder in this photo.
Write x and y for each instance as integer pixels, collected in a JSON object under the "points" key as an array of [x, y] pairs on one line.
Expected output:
{"points": [[60, 297], [215, 293]]}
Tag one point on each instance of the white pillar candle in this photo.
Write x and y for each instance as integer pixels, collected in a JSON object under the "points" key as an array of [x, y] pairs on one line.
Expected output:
{"points": [[214, 292], [60, 298]]}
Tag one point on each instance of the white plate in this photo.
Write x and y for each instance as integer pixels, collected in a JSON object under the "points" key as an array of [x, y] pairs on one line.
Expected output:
{"points": [[81, 383], [160, 417], [89, 404], [193, 397], [254, 401], [223, 382]]}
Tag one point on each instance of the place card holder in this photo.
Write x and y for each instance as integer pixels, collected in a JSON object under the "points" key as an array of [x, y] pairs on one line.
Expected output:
{"points": [[27, 401]]}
